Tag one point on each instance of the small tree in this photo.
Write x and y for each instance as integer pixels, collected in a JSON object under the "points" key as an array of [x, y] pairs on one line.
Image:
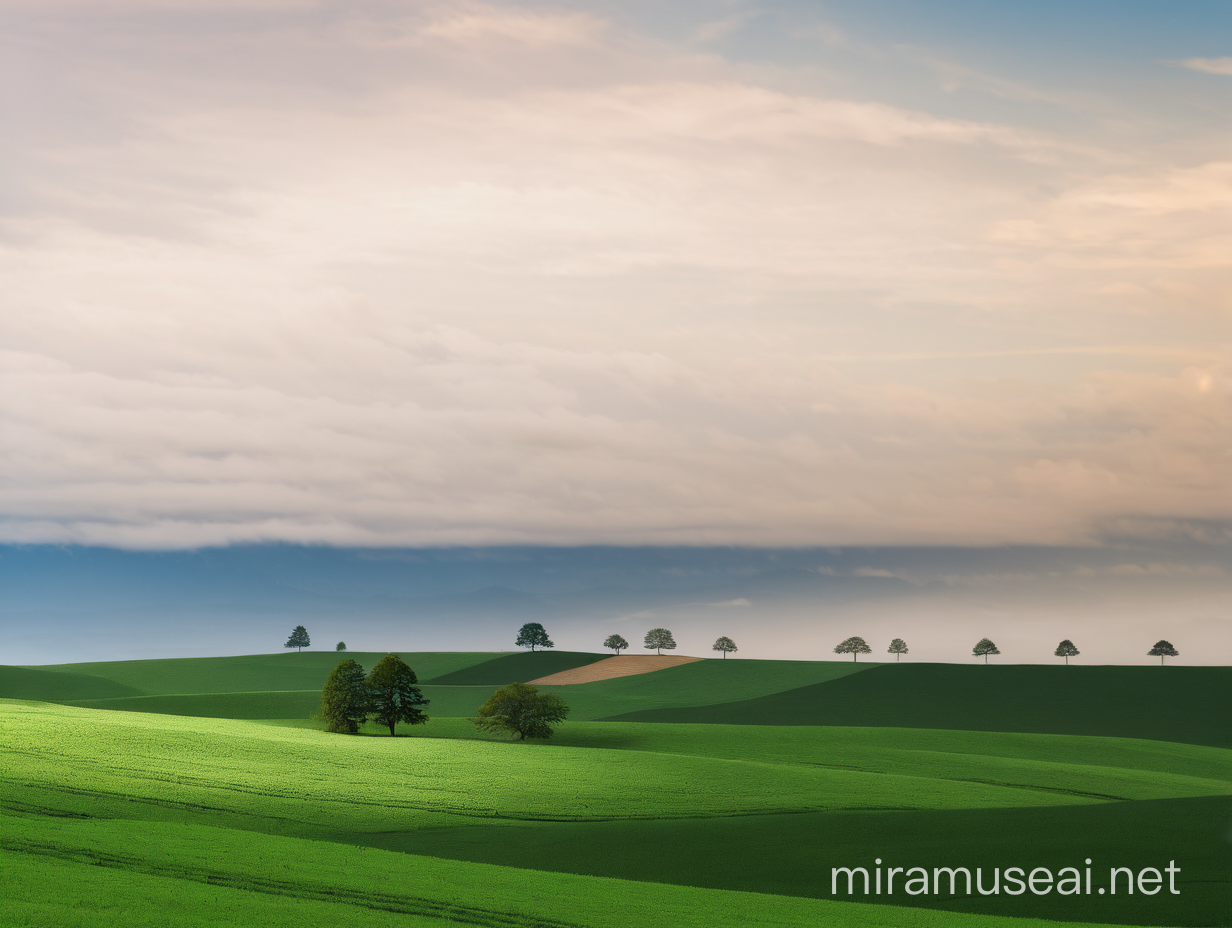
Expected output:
{"points": [[1066, 650], [659, 638], [616, 643], [521, 709], [725, 644], [393, 695], [1162, 649], [344, 698], [533, 635], [340, 646], [984, 648], [299, 638], [898, 648], [853, 646]]}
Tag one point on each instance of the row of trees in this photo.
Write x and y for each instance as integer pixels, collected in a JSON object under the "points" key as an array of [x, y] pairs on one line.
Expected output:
{"points": [[985, 647], [533, 635]]}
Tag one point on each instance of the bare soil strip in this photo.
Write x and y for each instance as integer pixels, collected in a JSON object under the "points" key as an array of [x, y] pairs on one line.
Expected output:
{"points": [[624, 666]]}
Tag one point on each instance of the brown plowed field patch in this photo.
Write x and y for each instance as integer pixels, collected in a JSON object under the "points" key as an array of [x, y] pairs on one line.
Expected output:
{"points": [[624, 666]]}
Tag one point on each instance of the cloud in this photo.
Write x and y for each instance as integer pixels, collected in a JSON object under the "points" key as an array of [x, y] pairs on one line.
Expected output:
{"points": [[731, 602], [481, 275], [1205, 65]]}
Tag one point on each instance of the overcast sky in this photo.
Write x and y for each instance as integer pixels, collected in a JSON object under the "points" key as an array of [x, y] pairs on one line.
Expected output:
{"points": [[396, 273]]}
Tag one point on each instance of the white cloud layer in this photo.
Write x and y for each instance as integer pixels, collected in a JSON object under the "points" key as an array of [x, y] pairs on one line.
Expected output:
{"points": [[475, 275]]}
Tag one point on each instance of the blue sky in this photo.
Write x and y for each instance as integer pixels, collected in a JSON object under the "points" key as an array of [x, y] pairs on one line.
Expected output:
{"points": [[782, 275]]}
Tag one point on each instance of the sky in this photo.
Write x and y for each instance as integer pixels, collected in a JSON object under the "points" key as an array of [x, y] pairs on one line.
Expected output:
{"points": [[760, 275]]}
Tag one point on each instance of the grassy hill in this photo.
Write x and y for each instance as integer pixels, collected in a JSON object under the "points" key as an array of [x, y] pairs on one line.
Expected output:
{"points": [[289, 670], [516, 668], [187, 813], [761, 809], [1165, 703]]}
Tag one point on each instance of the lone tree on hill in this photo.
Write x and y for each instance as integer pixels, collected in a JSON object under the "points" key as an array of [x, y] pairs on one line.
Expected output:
{"points": [[616, 643], [897, 647], [1162, 649], [392, 693], [299, 638], [984, 648], [853, 646], [521, 709], [344, 698], [533, 635], [1066, 650], [725, 645], [659, 638], [340, 646]]}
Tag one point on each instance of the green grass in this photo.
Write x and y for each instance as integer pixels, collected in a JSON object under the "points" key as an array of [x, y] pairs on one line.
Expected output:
{"points": [[697, 684], [55, 685], [758, 808], [291, 704], [748, 852], [289, 670], [1164, 703], [516, 668], [114, 874], [144, 818], [309, 779]]}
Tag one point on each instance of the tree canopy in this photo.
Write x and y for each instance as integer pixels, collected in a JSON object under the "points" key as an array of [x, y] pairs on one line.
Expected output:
{"points": [[392, 694], [533, 635], [659, 638], [344, 698], [983, 648], [299, 638], [1163, 649], [854, 645], [521, 709], [725, 645], [616, 643], [897, 647], [1066, 650], [340, 646]]}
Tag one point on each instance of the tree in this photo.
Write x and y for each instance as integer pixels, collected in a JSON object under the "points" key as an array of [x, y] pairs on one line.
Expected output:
{"points": [[1161, 649], [521, 709], [897, 647], [344, 698], [299, 638], [853, 646], [659, 638], [533, 635], [392, 693], [1066, 650], [340, 646], [725, 644], [984, 648], [616, 643]]}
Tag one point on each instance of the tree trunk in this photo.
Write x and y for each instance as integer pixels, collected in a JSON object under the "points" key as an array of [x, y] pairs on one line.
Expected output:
{"points": [[853, 655], [985, 658], [391, 729]]}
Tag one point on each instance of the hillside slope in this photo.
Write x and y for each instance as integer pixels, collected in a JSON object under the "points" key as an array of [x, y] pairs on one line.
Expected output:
{"points": [[1163, 703]]}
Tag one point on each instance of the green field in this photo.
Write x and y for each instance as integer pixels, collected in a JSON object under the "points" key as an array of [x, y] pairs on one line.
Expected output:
{"points": [[724, 795]]}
